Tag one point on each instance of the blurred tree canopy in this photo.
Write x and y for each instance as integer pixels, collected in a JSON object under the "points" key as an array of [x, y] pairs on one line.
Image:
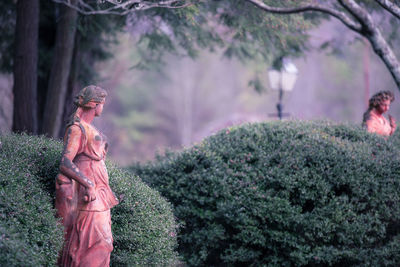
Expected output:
{"points": [[243, 32], [74, 35], [356, 15]]}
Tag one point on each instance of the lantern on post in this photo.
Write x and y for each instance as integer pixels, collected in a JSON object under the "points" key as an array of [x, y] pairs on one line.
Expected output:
{"points": [[283, 80]]}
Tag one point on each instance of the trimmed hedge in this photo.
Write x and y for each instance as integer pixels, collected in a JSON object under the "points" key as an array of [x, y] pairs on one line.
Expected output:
{"points": [[30, 235], [144, 228], [285, 194], [143, 224]]}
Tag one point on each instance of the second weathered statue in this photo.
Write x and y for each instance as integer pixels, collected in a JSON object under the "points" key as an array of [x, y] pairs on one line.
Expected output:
{"points": [[374, 120], [83, 194]]}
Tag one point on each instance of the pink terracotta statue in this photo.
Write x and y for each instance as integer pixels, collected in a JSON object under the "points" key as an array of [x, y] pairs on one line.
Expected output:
{"points": [[374, 120], [83, 195]]}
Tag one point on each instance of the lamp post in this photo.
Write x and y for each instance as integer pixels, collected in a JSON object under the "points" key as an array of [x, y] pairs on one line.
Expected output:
{"points": [[283, 79]]}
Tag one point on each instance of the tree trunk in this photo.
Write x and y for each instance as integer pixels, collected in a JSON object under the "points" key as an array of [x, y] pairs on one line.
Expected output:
{"points": [[367, 68], [26, 66], [73, 85], [47, 37], [57, 89], [383, 50]]}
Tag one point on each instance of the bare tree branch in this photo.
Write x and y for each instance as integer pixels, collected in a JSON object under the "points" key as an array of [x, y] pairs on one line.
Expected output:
{"points": [[390, 6], [359, 13], [310, 7], [371, 31], [362, 22], [121, 7]]}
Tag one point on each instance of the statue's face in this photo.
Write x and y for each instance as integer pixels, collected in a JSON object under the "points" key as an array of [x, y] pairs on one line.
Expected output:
{"points": [[99, 109], [383, 107]]}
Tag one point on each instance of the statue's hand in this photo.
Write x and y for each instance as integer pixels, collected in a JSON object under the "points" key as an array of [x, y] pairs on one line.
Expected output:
{"points": [[90, 194], [392, 122]]}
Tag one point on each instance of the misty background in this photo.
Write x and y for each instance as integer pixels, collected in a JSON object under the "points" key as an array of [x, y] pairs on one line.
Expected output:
{"points": [[186, 100]]}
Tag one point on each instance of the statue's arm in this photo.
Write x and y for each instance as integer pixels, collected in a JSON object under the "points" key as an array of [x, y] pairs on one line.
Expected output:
{"points": [[72, 143], [393, 124]]}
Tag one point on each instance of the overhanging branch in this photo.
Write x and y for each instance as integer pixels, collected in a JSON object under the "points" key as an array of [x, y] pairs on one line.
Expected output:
{"points": [[390, 6], [356, 10], [310, 7], [121, 7]]}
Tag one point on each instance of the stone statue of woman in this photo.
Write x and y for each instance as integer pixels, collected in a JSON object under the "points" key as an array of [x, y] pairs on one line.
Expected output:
{"points": [[373, 119], [83, 195]]}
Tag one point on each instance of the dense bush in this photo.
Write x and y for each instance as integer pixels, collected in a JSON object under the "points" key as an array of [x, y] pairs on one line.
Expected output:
{"points": [[29, 233], [143, 224], [143, 227], [284, 194]]}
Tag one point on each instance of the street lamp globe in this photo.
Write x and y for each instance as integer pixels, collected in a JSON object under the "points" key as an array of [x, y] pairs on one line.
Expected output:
{"points": [[283, 80]]}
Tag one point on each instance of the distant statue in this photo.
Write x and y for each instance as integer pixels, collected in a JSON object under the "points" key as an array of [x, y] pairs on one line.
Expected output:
{"points": [[83, 195], [374, 120]]}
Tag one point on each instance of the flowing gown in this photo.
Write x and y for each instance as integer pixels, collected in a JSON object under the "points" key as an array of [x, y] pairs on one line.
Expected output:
{"points": [[88, 237]]}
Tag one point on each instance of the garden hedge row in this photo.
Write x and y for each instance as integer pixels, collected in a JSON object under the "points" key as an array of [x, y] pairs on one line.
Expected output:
{"points": [[143, 224], [284, 194]]}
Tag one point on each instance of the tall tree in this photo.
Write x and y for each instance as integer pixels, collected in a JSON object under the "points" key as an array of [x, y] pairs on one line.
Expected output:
{"points": [[26, 66], [73, 85], [95, 34], [58, 83]]}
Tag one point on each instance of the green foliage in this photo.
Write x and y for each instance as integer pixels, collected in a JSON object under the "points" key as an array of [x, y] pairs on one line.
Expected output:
{"points": [[143, 225], [242, 30], [257, 85], [96, 34], [285, 194], [144, 228], [29, 232]]}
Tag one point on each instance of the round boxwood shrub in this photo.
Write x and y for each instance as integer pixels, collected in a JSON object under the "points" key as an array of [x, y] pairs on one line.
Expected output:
{"points": [[143, 224], [284, 194]]}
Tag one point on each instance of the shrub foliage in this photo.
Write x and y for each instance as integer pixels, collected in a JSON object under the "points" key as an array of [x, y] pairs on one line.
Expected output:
{"points": [[284, 194], [29, 232], [143, 224]]}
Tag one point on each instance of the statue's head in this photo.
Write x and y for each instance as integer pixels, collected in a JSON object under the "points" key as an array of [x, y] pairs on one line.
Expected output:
{"points": [[377, 99], [90, 96]]}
